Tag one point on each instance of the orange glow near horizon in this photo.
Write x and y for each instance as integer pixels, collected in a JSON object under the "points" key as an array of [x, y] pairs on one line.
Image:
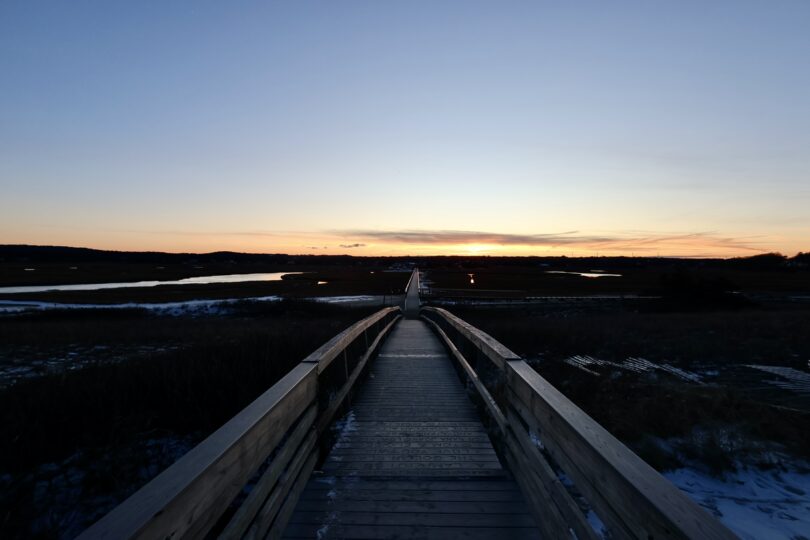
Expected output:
{"points": [[303, 243]]}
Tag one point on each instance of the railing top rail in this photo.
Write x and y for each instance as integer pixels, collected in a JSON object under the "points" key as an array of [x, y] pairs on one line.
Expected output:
{"points": [[410, 278], [327, 352], [494, 350]]}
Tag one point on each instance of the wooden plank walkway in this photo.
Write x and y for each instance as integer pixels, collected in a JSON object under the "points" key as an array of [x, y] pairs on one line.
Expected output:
{"points": [[413, 460]]}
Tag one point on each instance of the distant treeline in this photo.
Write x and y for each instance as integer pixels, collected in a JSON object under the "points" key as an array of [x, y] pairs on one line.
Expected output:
{"points": [[61, 254]]}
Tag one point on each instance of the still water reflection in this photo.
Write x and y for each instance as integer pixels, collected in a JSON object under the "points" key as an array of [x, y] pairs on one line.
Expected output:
{"points": [[200, 280]]}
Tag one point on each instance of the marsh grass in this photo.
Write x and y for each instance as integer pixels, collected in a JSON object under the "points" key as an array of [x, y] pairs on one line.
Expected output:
{"points": [[716, 424], [101, 418]]}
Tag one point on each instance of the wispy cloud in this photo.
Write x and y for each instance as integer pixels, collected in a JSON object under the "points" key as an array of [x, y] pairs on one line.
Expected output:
{"points": [[435, 240], [474, 237], [633, 240]]}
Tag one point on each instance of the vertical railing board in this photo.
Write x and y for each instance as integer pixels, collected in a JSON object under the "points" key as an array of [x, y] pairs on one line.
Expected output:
{"points": [[268, 514], [287, 509], [550, 521], [597, 500], [537, 471], [248, 510]]}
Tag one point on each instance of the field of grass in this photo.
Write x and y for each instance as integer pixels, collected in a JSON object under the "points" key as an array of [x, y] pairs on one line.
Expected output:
{"points": [[90, 437]]}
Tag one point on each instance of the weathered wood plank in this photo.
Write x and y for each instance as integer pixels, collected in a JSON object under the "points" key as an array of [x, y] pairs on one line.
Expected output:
{"points": [[292, 498], [270, 509], [421, 506], [403, 485], [423, 496], [605, 510], [555, 511], [250, 507], [466, 519], [550, 522]]}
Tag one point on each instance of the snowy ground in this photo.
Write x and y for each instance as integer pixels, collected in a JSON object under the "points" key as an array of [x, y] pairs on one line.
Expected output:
{"points": [[635, 364], [753, 503], [360, 300], [190, 307]]}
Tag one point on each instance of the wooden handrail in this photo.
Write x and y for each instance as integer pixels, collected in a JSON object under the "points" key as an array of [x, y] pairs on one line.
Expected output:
{"points": [[327, 352], [410, 278], [189, 498], [633, 499]]}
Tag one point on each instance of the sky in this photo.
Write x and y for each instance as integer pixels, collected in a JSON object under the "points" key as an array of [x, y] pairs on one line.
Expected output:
{"points": [[391, 128]]}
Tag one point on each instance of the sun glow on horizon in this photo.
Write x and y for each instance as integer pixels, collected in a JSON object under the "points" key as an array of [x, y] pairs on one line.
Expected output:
{"points": [[422, 243], [479, 249]]}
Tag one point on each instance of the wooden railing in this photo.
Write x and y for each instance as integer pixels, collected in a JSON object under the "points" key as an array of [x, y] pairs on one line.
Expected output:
{"points": [[267, 451], [540, 431]]}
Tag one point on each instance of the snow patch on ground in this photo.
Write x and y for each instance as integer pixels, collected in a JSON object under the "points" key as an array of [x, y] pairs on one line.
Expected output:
{"points": [[350, 299], [345, 426], [189, 307], [789, 378], [751, 502], [634, 364]]}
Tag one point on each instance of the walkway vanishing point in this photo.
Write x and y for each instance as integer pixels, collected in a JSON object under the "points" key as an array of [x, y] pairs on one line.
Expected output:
{"points": [[410, 424]]}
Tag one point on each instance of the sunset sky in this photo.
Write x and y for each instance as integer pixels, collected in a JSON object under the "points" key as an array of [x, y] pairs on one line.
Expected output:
{"points": [[381, 127]]}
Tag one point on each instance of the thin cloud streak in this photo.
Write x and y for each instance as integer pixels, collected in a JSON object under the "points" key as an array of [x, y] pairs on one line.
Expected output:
{"points": [[377, 241], [628, 241], [475, 237]]}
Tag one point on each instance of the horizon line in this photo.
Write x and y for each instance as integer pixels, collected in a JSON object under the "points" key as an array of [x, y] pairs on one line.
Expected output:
{"points": [[405, 256]]}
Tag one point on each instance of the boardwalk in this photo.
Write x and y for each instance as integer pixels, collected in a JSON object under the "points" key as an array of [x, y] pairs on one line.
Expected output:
{"points": [[414, 460]]}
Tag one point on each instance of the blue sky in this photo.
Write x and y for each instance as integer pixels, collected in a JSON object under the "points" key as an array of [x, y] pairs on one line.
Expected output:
{"points": [[678, 128]]}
